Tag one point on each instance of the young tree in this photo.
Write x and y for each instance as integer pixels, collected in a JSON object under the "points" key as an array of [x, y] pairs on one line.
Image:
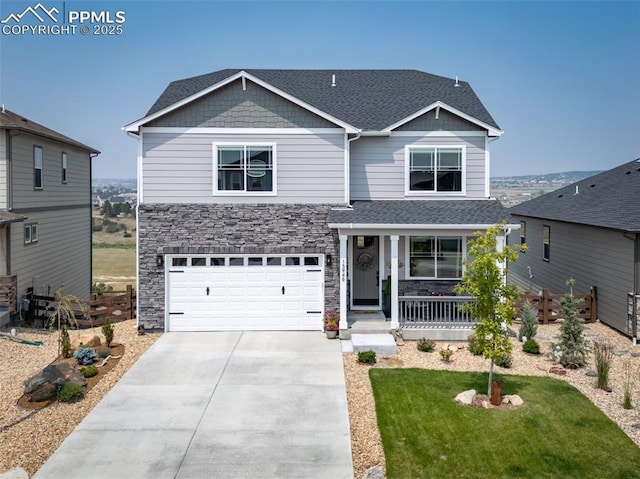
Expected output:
{"points": [[573, 345], [493, 299], [107, 209], [529, 326]]}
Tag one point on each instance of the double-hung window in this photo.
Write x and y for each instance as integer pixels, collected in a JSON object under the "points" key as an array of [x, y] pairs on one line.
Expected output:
{"points": [[523, 233], [37, 167], [546, 243], [64, 167], [244, 168], [435, 256], [435, 169]]}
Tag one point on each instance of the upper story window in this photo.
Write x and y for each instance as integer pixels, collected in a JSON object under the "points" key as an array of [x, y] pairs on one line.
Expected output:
{"points": [[37, 167], [435, 256], [435, 169], [244, 169], [546, 243], [64, 167]]}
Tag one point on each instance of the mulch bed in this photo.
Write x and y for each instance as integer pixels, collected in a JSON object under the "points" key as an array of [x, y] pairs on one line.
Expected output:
{"points": [[116, 350]]}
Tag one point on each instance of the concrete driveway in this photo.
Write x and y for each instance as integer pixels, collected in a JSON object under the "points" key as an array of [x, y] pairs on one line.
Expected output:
{"points": [[218, 405]]}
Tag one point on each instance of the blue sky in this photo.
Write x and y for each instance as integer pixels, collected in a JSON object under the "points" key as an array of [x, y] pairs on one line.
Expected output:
{"points": [[562, 79]]}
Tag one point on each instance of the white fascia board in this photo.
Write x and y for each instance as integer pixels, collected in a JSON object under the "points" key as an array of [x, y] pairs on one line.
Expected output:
{"points": [[373, 226], [492, 131], [245, 76], [241, 131]]}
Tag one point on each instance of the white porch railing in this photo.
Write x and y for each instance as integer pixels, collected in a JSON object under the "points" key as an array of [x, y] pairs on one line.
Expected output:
{"points": [[434, 311]]}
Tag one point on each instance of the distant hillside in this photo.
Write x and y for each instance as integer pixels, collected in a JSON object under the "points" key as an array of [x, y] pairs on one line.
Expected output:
{"points": [[564, 176]]}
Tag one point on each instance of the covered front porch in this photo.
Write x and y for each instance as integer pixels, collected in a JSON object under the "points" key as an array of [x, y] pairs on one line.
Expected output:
{"points": [[403, 274]]}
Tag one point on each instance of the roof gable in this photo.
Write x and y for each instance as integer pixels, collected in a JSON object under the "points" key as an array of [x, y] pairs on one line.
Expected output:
{"points": [[608, 200], [357, 99]]}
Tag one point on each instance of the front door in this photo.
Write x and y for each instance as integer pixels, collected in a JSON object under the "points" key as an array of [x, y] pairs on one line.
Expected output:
{"points": [[366, 273]]}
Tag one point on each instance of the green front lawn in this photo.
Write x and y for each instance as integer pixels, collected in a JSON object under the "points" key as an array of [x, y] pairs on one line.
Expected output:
{"points": [[558, 433]]}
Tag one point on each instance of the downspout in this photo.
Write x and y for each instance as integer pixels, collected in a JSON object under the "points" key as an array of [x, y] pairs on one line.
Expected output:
{"points": [[347, 168], [139, 193], [9, 201], [91, 157]]}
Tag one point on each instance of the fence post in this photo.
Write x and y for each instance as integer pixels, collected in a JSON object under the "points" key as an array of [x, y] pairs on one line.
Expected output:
{"points": [[545, 306], [594, 303]]}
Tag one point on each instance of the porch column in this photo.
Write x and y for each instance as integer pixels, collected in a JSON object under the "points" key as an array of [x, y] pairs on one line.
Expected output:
{"points": [[343, 283], [501, 242], [394, 281]]}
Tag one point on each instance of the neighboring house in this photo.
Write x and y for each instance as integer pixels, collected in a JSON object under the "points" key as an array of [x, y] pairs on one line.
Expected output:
{"points": [[589, 231], [267, 197], [45, 209]]}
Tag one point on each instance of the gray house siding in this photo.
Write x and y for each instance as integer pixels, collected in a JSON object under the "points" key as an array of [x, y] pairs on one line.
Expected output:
{"points": [[178, 168], [205, 229], [60, 258], [378, 165], [232, 107], [77, 189], [3, 169], [446, 122], [592, 256]]}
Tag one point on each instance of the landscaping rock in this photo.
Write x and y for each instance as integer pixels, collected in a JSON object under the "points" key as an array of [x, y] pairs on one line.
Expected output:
{"points": [[375, 472], [513, 399], [86, 341], [466, 397], [559, 370], [543, 367], [44, 385], [591, 374]]}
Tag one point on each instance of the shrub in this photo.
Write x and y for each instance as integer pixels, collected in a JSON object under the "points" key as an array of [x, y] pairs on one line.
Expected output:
{"points": [[627, 400], [101, 288], [89, 371], [126, 235], [103, 351], [112, 227], [529, 326], [97, 227], [85, 356], [445, 355], [107, 331], [426, 345], [531, 346], [474, 346], [505, 361], [367, 357], [65, 342], [603, 355], [70, 392], [573, 348]]}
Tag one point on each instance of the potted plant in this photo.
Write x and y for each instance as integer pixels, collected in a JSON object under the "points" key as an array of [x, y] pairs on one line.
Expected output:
{"points": [[332, 324]]}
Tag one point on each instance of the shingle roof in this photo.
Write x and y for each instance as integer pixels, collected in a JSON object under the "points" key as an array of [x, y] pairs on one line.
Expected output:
{"points": [[365, 99], [9, 217], [13, 121], [609, 200], [421, 212]]}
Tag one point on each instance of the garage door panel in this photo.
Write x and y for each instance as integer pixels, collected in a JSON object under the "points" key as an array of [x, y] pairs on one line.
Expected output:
{"points": [[246, 297]]}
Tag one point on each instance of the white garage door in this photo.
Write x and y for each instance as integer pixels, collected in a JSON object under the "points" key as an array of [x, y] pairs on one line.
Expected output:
{"points": [[221, 293]]}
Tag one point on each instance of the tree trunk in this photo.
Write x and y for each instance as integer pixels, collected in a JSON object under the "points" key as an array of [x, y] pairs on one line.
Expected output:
{"points": [[490, 379]]}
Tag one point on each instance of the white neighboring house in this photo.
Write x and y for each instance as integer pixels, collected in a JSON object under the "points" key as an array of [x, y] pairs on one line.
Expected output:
{"points": [[269, 197]]}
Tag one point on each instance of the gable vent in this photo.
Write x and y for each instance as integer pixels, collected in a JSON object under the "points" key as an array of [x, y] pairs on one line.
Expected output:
{"points": [[333, 80]]}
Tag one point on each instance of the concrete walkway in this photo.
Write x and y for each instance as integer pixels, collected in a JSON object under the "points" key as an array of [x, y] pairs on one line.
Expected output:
{"points": [[218, 405]]}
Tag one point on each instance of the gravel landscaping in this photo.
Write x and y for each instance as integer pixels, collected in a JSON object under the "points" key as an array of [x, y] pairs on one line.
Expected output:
{"points": [[365, 438], [28, 437]]}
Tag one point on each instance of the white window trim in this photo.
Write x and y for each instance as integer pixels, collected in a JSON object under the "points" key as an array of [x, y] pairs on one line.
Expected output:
{"points": [[65, 169], [548, 242], [31, 227], [407, 172], [41, 149], [274, 182], [407, 255]]}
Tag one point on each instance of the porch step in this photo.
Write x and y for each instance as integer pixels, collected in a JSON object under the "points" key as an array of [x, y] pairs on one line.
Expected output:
{"points": [[379, 343]]}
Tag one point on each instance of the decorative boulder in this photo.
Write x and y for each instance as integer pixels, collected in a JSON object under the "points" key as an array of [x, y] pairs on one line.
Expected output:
{"points": [[375, 472], [466, 397], [559, 370], [87, 341], [513, 399], [44, 385]]}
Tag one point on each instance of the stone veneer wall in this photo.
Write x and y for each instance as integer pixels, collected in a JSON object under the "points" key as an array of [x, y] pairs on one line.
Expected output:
{"points": [[228, 229]]}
